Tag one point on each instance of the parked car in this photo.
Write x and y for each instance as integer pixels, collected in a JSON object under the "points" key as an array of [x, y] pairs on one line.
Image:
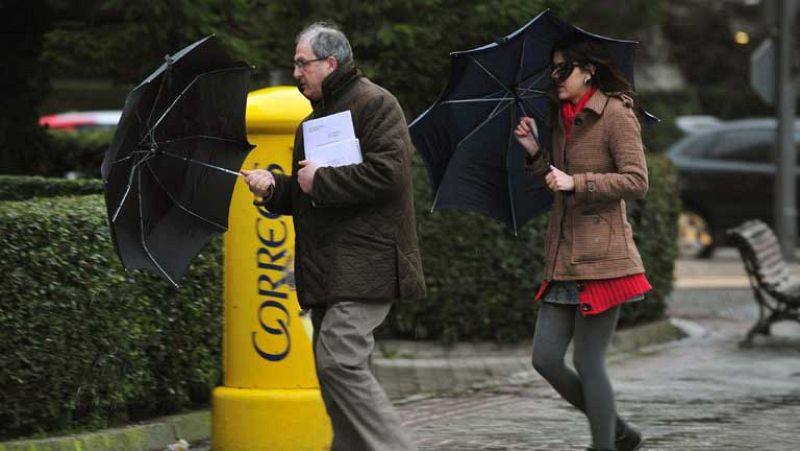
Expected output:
{"points": [[726, 176], [75, 120]]}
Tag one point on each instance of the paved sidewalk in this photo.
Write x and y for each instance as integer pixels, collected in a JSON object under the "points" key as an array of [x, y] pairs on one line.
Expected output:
{"points": [[701, 393]]}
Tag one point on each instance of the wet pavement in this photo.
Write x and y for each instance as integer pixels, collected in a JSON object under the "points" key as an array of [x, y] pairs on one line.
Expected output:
{"points": [[700, 393]]}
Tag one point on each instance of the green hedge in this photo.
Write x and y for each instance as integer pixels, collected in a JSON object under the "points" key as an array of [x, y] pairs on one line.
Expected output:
{"points": [[22, 187], [481, 278], [78, 151], [87, 344]]}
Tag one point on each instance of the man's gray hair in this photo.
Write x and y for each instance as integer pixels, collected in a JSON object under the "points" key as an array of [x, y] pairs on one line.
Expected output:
{"points": [[327, 40]]}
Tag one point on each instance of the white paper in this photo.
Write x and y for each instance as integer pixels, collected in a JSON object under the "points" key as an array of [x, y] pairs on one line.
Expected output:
{"points": [[339, 153], [328, 130]]}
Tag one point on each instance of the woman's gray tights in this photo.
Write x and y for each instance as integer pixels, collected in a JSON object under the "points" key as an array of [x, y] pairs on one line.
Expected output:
{"points": [[589, 390]]}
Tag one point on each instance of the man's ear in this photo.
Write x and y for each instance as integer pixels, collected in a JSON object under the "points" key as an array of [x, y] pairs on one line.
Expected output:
{"points": [[334, 63], [591, 68]]}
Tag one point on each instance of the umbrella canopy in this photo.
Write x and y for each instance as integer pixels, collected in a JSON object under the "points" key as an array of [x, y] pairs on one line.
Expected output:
{"points": [[172, 165], [466, 138]]}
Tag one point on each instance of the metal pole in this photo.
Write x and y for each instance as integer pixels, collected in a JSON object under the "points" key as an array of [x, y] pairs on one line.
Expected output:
{"points": [[786, 173]]}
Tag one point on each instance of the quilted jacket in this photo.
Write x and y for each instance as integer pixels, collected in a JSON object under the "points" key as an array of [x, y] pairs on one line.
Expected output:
{"points": [[588, 234], [355, 234]]}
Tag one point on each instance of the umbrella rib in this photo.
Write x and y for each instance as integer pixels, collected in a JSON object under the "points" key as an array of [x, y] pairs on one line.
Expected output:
{"points": [[128, 188], [158, 96], [508, 179], [537, 92], [472, 100], [521, 63], [213, 138], [158, 181], [122, 159], [141, 234], [130, 156], [492, 115], [492, 75], [534, 80], [188, 86], [191, 160], [511, 134]]}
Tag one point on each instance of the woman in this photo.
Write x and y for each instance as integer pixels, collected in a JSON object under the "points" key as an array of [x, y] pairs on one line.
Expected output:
{"points": [[592, 265]]}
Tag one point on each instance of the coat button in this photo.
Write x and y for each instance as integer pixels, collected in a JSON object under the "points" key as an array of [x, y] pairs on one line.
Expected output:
{"points": [[586, 307], [590, 186], [580, 286], [578, 121]]}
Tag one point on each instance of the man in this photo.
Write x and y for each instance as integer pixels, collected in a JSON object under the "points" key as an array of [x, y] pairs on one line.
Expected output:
{"points": [[356, 243]]}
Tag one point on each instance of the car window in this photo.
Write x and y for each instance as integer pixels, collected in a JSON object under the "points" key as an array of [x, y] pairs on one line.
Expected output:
{"points": [[694, 145], [750, 145]]}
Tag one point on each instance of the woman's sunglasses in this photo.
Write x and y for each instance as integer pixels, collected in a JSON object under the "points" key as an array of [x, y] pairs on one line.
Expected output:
{"points": [[562, 71]]}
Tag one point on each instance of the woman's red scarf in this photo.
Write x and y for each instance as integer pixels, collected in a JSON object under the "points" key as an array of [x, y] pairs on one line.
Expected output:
{"points": [[568, 110]]}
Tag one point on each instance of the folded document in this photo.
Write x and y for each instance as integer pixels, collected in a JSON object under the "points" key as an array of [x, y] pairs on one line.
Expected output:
{"points": [[339, 153], [331, 140]]}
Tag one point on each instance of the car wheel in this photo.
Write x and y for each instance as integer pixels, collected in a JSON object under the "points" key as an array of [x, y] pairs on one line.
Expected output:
{"points": [[694, 236]]}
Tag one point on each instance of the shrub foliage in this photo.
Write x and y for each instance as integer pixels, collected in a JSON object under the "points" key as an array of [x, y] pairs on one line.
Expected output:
{"points": [[14, 187], [86, 342]]}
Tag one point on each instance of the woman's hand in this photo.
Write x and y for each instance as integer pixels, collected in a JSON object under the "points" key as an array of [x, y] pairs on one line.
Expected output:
{"points": [[526, 133], [559, 181]]}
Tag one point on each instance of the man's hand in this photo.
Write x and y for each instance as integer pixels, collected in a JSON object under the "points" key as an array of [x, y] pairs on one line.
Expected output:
{"points": [[259, 181], [305, 175], [559, 181]]}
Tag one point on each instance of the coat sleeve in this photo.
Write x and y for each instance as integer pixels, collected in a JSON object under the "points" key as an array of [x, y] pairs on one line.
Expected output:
{"points": [[283, 194], [537, 166], [281, 201], [386, 160], [630, 180]]}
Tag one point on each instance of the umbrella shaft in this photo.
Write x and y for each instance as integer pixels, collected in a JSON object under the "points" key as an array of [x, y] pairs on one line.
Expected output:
{"points": [[201, 163]]}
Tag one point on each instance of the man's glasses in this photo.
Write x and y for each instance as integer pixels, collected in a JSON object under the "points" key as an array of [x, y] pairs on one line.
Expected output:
{"points": [[563, 70], [301, 64]]}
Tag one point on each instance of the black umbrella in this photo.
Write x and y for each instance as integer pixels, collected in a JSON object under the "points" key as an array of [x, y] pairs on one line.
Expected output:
{"points": [[466, 138], [172, 165]]}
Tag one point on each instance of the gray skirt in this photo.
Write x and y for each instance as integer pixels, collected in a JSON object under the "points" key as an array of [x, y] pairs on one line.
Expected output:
{"points": [[566, 293]]}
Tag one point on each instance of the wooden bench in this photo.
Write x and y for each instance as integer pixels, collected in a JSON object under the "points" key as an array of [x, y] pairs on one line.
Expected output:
{"points": [[776, 291]]}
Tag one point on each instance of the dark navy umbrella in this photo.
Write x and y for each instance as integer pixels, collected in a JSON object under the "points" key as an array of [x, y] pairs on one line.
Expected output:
{"points": [[466, 138], [175, 157]]}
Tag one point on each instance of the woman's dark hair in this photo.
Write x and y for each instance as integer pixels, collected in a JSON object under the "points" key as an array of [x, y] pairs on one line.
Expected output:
{"points": [[582, 51]]}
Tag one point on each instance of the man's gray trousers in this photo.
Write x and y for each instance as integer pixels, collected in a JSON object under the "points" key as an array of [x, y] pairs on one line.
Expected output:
{"points": [[361, 414]]}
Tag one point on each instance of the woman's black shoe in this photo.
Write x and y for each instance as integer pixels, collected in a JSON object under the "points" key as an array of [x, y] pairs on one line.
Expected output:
{"points": [[630, 440]]}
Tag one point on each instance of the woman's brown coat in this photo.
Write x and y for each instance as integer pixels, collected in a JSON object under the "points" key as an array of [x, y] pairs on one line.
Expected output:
{"points": [[588, 235]]}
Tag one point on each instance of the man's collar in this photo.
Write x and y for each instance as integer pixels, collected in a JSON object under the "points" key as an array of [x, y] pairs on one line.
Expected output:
{"points": [[339, 80]]}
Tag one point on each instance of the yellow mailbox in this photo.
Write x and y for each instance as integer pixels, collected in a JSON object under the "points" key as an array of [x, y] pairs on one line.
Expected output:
{"points": [[270, 397]]}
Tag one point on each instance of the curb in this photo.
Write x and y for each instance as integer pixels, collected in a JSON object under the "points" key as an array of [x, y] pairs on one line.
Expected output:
{"points": [[434, 368], [154, 435]]}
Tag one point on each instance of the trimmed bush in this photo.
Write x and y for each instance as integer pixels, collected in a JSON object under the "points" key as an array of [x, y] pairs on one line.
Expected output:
{"points": [[21, 187], [481, 278], [87, 343], [78, 151]]}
